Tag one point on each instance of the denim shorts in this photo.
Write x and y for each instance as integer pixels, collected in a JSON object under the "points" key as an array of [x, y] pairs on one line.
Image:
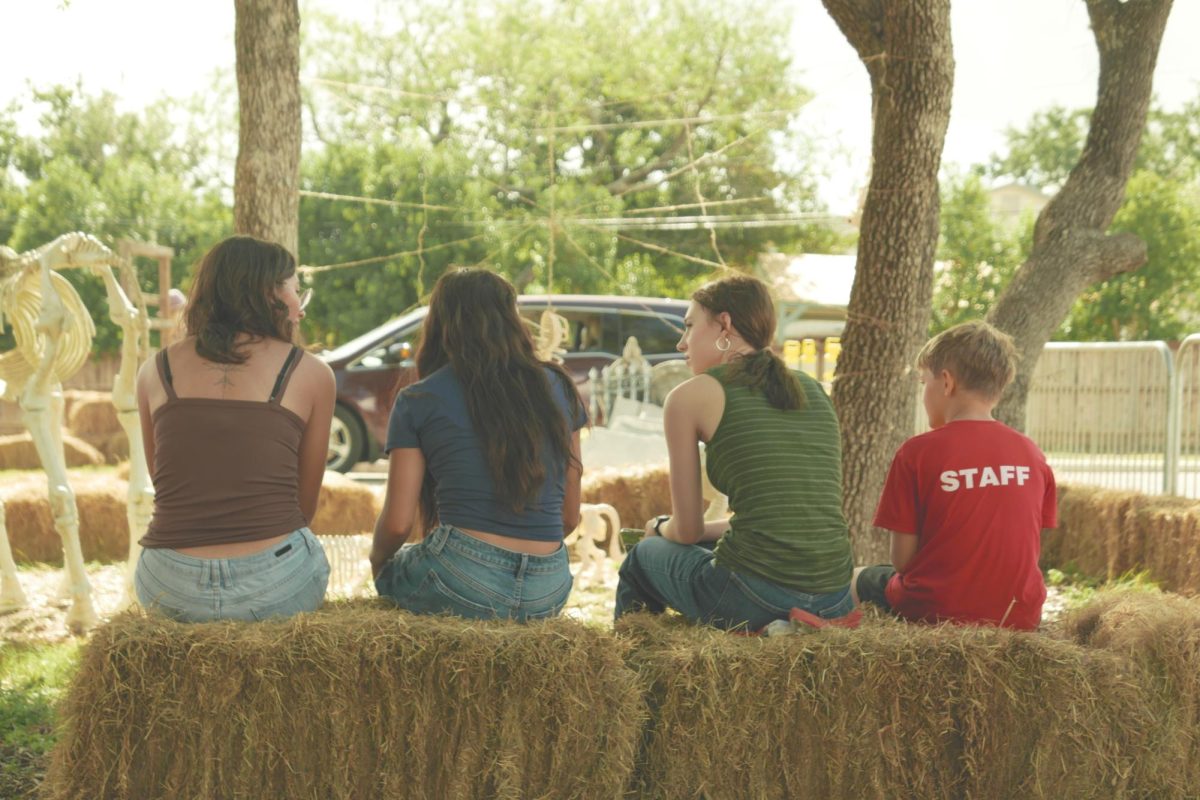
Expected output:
{"points": [[658, 574], [278, 582], [452, 572]]}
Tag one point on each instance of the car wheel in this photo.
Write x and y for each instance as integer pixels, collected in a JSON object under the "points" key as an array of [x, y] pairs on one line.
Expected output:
{"points": [[345, 440]]}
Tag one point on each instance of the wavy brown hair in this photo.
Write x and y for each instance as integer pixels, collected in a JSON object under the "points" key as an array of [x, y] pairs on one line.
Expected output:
{"points": [[234, 293], [751, 311], [474, 326]]}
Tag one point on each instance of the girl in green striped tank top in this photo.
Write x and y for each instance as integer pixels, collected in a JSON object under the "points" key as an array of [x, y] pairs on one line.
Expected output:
{"points": [[773, 447]]}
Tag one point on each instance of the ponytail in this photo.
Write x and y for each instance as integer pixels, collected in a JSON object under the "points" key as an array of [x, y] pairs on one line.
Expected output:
{"points": [[765, 372]]}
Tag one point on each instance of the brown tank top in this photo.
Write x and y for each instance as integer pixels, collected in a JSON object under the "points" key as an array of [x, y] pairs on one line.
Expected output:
{"points": [[224, 470]]}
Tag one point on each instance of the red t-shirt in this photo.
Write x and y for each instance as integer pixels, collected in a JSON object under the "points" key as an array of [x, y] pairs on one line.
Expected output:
{"points": [[977, 494]]}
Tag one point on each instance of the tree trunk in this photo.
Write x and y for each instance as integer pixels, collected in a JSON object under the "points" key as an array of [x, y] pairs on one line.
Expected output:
{"points": [[1071, 250], [906, 48], [266, 200]]}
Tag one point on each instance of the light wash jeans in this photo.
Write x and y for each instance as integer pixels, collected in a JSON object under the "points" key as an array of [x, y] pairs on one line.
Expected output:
{"points": [[278, 582], [452, 572], [658, 574]]}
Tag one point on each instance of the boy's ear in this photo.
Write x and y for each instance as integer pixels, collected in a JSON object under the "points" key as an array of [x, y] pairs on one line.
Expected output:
{"points": [[949, 382]]}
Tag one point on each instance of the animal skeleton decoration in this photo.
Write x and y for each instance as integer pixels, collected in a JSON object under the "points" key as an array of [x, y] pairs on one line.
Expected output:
{"points": [[53, 332], [596, 522]]}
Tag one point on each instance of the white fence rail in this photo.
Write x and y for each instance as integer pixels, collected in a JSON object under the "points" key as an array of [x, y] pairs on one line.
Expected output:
{"points": [[1120, 415], [1104, 414]]}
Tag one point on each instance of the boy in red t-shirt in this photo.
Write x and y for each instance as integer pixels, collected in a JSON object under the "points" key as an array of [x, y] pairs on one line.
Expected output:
{"points": [[966, 502]]}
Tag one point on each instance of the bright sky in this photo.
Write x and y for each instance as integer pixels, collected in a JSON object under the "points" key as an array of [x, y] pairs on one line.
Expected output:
{"points": [[1014, 57]]}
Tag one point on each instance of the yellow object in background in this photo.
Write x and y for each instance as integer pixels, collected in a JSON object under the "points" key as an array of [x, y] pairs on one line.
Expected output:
{"points": [[791, 353]]}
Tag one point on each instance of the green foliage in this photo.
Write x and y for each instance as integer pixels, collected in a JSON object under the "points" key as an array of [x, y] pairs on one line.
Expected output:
{"points": [[541, 132], [1078, 588], [1043, 153], [1157, 301], [1161, 207], [978, 255], [111, 173], [32, 679], [531, 131]]}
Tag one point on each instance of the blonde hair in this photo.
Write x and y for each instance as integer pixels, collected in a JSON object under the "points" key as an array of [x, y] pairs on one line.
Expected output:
{"points": [[980, 357]]}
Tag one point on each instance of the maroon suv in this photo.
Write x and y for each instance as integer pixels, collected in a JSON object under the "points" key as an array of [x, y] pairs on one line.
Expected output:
{"points": [[371, 369]]}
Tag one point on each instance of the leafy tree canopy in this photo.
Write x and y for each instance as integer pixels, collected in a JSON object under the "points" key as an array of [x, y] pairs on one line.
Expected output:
{"points": [[536, 134]]}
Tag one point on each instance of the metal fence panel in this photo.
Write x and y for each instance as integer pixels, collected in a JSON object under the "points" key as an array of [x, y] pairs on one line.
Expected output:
{"points": [[1187, 432], [1102, 412]]}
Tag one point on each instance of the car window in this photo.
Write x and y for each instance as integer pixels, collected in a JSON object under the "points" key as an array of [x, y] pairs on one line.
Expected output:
{"points": [[655, 334], [396, 351], [588, 330]]}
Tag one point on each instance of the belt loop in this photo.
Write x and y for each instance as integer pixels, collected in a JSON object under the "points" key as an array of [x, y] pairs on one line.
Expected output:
{"points": [[306, 536], [522, 565], [437, 538]]}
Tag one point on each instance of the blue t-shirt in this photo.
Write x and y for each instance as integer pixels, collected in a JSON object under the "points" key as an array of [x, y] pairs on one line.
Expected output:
{"points": [[432, 415]]}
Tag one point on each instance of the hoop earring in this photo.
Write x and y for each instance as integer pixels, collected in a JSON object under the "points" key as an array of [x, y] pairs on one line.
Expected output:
{"points": [[728, 343]]}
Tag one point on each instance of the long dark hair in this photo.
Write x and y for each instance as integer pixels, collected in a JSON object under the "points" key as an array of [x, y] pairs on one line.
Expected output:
{"points": [[751, 311], [234, 292], [474, 326]]}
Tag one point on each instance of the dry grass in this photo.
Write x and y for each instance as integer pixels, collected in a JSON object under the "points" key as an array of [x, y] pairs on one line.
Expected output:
{"points": [[888, 710], [637, 493], [1108, 534], [91, 414], [1160, 635], [347, 507], [354, 701], [103, 524], [18, 452]]}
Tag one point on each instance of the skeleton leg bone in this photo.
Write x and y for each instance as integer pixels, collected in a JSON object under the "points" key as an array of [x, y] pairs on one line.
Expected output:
{"points": [[11, 596]]}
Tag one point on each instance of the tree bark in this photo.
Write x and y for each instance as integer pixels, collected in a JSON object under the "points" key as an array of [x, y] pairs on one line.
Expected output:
{"points": [[906, 48], [266, 200], [1071, 250]]}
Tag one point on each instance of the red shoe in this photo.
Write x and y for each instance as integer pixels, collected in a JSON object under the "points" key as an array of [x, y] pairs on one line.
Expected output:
{"points": [[800, 617]]}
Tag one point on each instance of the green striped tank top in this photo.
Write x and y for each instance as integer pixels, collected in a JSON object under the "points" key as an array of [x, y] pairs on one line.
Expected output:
{"points": [[782, 472]]}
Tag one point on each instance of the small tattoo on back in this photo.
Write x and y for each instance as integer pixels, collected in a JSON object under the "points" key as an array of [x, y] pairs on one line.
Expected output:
{"points": [[224, 375]]}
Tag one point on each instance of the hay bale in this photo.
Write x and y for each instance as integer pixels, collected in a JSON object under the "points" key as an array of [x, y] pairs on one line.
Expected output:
{"points": [[1159, 634], [1108, 534], [113, 446], [18, 452], [346, 507], [637, 493], [353, 701], [92, 417], [1169, 531], [103, 525], [90, 414], [888, 710]]}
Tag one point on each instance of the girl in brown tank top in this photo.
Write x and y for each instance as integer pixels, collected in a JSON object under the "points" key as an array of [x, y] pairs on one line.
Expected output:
{"points": [[236, 428]]}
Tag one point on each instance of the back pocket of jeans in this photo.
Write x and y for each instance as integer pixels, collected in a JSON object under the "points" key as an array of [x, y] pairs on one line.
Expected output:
{"points": [[436, 597]]}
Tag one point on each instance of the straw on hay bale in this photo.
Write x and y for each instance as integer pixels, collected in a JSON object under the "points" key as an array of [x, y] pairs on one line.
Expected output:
{"points": [[1159, 634], [1107, 534], [353, 701], [18, 452], [346, 507], [91, 414], [887, 710], [92, 417], [103, 524], [637, 493]]}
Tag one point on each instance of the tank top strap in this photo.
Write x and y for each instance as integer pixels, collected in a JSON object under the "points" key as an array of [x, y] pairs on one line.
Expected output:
{"points": [[285, 374], [164, 373]]}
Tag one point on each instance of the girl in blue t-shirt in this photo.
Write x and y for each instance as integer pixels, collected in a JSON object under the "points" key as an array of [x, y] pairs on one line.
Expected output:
{"points": [[484, 455]]}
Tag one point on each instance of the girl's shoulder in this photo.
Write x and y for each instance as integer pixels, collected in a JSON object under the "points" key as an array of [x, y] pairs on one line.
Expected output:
{"points": [[698, 389]]}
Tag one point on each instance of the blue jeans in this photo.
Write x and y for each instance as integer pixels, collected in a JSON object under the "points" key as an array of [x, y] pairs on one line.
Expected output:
{"points": [[658, 574], [451, 572], [278, 582]]}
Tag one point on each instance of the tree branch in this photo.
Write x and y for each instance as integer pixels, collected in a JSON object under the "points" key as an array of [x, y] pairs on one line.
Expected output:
{"points": [[861, 22]]}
